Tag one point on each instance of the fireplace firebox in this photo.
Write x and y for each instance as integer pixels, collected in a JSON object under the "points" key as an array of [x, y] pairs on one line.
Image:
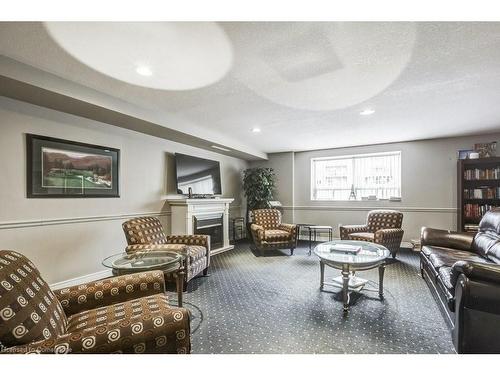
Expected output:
{"points": [[212, 225]]}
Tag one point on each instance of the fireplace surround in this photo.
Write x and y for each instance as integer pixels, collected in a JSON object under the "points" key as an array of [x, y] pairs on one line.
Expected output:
{"points": [[203, 216]]}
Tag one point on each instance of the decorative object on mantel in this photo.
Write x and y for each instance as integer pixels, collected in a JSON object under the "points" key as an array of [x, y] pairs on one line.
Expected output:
{"points": [[486, 150], [259, 185], [464, 154], [58, 168]]}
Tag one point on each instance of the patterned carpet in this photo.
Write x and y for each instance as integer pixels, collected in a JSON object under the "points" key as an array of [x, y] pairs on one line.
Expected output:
{"points": [[272, 304]]}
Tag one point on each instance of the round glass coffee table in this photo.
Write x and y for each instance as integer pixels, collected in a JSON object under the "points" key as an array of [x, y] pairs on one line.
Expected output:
{"points": [[350, 257], [167, 261]]}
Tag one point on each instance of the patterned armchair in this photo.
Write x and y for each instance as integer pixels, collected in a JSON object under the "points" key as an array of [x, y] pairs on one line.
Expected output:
{"points": [[124, 314], [382, 227], [269, 232], [146, 233]]}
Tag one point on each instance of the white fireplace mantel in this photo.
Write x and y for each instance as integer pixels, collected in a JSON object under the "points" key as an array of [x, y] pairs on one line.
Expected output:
{"points": [[185, 209]]}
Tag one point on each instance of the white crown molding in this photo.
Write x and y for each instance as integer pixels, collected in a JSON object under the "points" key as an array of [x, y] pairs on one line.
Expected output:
{"points": [[82, 279], [447, 210]]}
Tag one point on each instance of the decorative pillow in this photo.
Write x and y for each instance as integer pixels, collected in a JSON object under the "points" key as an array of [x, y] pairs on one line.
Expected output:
{"points": [[29, 311]]}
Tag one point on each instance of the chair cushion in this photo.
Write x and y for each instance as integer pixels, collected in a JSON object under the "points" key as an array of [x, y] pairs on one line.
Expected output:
{"points": [[362, 236], [384, 219], [276, 235], [29, 311], [142, 230], [268, 218], [443, 256], [145, 306]]}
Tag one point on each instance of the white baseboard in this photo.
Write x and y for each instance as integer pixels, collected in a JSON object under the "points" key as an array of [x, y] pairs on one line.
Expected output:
{"points": [[82, 279]]}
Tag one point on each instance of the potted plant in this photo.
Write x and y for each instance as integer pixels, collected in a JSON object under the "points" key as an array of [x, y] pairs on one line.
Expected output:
{"points": [[259, 185]]}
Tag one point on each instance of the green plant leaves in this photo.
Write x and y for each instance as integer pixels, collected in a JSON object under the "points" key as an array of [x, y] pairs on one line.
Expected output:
{"points": [[259, 185]]}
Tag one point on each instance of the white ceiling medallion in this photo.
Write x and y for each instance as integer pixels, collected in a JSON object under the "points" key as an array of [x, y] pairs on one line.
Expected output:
{"points": [[158, 55], [322, 66]]}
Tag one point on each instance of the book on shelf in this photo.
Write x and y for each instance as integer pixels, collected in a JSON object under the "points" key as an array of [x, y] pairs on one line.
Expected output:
{"points": [[482, 174], [482, 193], [476, 211]]}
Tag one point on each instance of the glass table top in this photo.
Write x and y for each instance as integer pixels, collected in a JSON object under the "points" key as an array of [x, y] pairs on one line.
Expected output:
{"points": [[144, 260], [370, 253]]}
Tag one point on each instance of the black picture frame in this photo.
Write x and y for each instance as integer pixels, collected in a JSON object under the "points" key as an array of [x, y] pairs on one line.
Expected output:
{"points": [[97, 180]]}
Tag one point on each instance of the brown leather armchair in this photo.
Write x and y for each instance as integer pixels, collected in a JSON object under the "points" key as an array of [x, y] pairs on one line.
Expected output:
{"points": [[146, 233], [124, 314], [269, 232], [382, 227]]}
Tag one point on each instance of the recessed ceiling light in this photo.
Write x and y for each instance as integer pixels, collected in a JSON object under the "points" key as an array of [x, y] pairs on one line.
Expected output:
{"points": [[144, 70], [220, 148], [255, 130], [367, 112]]}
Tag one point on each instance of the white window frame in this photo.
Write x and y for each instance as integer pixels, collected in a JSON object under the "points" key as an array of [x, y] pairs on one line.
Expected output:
{"points": [[353, 157]]}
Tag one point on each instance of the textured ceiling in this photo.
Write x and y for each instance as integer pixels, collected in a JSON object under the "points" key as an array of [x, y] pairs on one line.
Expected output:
{"points": [[304, 84]]}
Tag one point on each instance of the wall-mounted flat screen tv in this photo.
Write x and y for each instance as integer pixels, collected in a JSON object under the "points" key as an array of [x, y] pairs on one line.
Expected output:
{"points": [[201, 175]]}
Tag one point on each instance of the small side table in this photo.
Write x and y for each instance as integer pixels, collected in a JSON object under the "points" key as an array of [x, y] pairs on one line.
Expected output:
{"points": [[167, 261], [315, 229]]}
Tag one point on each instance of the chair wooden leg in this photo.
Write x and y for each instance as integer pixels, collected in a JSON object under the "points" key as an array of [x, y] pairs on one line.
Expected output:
{"points": [[205, 272], [291, 251]]}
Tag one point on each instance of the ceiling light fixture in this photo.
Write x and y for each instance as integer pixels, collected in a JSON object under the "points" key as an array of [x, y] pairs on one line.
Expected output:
{"points": [[220, 148], [144, 70], [255, 130], [367, 112]]}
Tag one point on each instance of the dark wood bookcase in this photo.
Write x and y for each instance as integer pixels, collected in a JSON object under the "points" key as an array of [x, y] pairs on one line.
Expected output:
{"points": [[478, 184]]}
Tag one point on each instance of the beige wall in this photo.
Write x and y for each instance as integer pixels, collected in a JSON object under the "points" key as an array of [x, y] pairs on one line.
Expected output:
{"points": [[428, 184], [68, 238]]}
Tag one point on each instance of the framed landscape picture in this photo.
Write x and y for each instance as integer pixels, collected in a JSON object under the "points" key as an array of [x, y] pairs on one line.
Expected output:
{"points": [[58, 168]]}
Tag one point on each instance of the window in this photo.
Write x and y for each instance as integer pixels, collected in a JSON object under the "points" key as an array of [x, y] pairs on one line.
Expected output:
{"points": [[355, 177]]}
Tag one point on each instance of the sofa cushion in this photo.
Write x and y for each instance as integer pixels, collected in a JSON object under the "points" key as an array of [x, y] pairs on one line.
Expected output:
{"points": [[443, 256], [29, 311], [145, 306], [276, 235], [362, 236]]}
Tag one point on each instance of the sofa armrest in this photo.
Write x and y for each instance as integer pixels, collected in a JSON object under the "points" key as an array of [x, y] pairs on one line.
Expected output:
{"points": [[446, 238], [110, 291], [291, 228], [389, 235], [476, 271], [192, 239], [163, 332], [257, 232], [345, 230], [178, 248]]}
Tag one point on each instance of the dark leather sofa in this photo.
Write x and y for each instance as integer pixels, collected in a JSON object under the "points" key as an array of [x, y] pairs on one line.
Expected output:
{"points": [[463, 273]]}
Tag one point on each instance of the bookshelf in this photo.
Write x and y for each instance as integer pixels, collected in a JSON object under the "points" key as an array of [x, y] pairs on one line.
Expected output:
{"points": [[478, 190]]}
